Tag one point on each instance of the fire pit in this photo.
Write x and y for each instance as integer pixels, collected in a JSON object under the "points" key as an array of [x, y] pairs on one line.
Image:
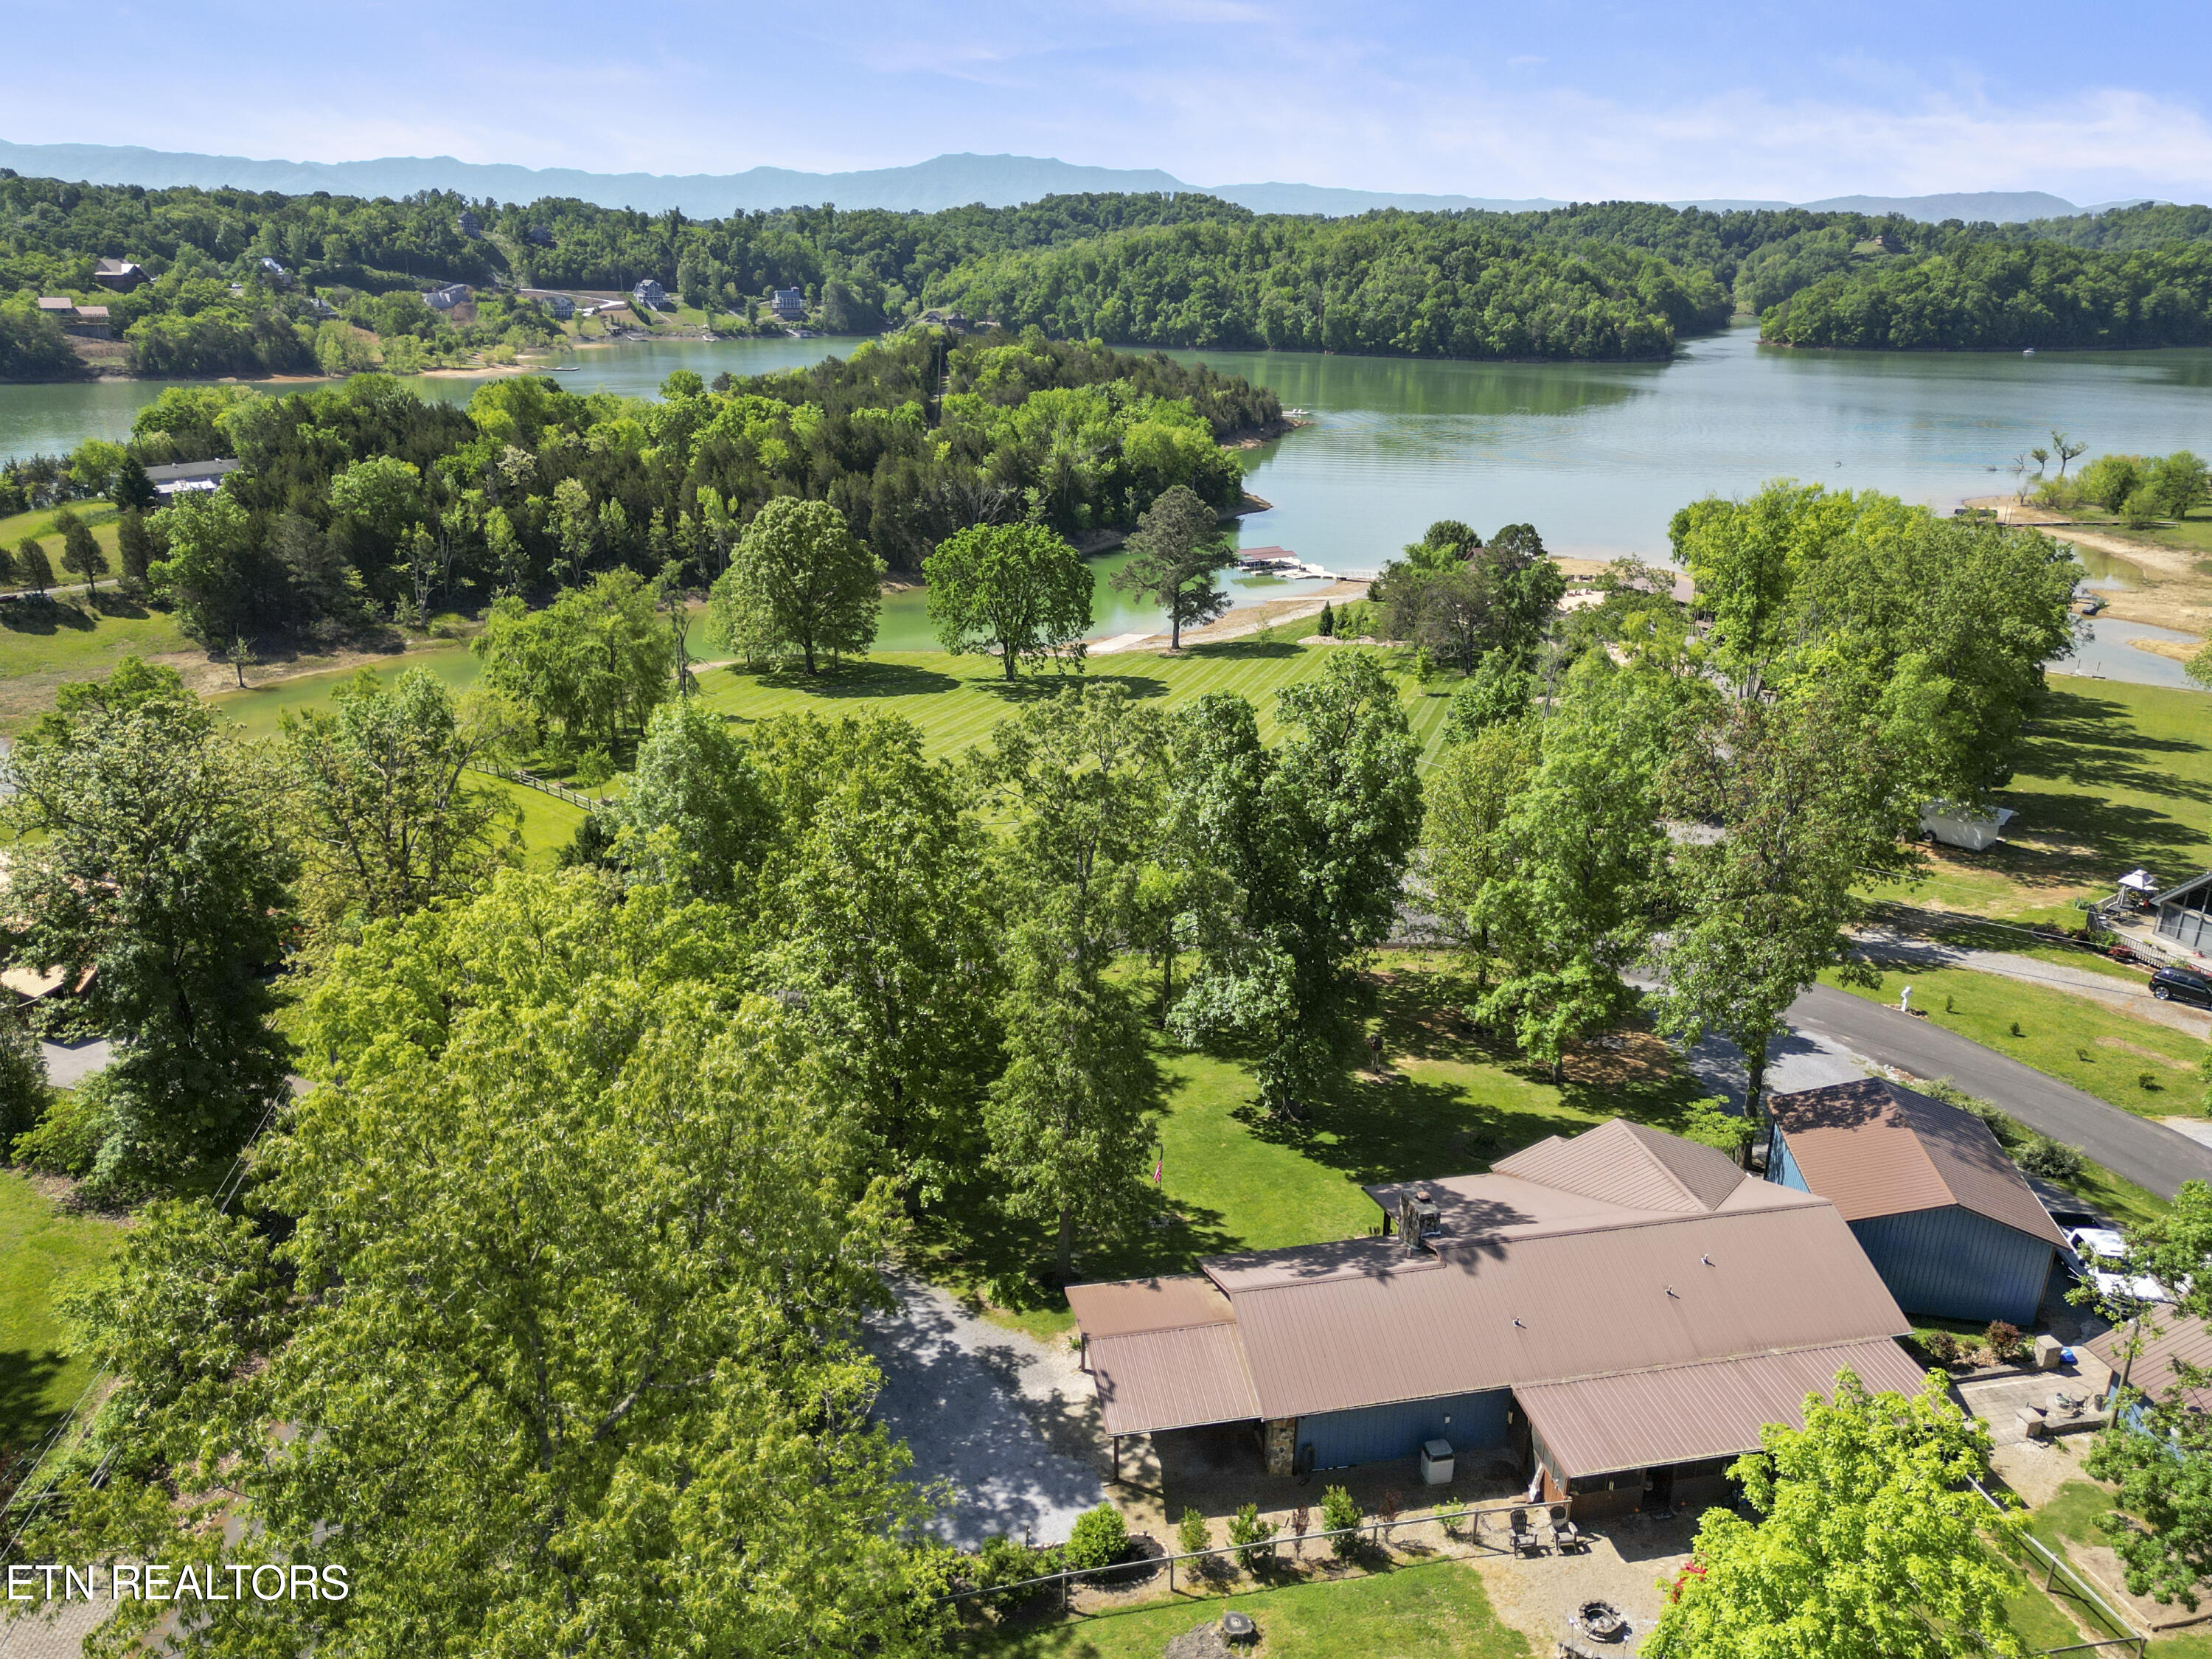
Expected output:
{"points": [[1238, 1627], [1601, 1621]]}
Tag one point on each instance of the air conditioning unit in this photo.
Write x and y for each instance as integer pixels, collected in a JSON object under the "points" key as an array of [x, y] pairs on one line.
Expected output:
{"points": [[1435, 1463]]}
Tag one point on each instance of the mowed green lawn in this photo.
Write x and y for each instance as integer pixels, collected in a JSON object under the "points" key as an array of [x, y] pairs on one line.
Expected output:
{"points": [[40, 1245], [955, 701], [1434, 1611], [98, 516], [2111, 777], [2102, 1049], [1233, 1178]]}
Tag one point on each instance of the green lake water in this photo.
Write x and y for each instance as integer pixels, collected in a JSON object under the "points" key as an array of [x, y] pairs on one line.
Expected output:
{"points": [[1598, 456]]}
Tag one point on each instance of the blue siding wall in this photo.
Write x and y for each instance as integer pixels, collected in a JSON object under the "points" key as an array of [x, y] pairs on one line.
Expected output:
{"points": [[1783, 1168], [1375, 1434], [1954, 1264]]}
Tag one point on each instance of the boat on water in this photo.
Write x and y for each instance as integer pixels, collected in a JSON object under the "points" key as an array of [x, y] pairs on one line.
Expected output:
{"points": [[2028, 351]]}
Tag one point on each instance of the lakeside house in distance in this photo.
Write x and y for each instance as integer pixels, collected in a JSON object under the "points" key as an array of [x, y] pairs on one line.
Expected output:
{"points": [[185, 478], [1948, 1221], [445, 298], [89, 321], [1620, 1315], [787, 305], [120, 275], [649, 293]]}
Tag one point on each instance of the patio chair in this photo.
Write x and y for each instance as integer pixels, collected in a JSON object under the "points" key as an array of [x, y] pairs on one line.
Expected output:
{"points": [[1565, 1534], [1525, 1541]]}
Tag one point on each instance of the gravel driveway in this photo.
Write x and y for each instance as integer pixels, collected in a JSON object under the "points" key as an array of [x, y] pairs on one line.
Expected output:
{"points": [[1009, 1422]]}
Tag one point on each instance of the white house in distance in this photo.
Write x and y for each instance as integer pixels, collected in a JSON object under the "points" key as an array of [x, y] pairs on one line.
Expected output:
{"points": [[787, 305]]}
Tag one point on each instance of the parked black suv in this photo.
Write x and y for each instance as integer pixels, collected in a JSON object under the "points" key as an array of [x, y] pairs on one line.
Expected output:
{"points": [[2181, 985]]}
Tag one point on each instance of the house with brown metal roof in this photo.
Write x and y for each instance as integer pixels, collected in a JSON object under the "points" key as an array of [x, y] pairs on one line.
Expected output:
{"points": [[2163, 1342], [1948, 1221], [1620, 1313]]}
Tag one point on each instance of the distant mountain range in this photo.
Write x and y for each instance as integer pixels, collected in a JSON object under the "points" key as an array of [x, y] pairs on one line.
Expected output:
{"points": [[942, 182]]}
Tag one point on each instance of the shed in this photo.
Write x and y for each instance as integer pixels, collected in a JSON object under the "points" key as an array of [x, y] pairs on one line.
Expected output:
{"points": [[2184, 911], [1617, 1314], [1945, 1216]]}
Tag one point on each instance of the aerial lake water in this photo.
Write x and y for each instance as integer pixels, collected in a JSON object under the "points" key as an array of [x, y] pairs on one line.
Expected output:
{"points": [[1597, 456]]}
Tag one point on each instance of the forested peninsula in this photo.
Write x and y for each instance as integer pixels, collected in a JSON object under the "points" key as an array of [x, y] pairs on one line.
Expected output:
{"points": [[359, 504], [229, 282]]}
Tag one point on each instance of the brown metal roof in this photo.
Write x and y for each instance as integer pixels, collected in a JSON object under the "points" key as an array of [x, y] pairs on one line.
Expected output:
{"points": [[1502, 1311], [2177, 1337], [1172, 1379], [1148, 1305], [1626, 1164], [1613, 1252], [1680, 1413], [1874, 1148]]}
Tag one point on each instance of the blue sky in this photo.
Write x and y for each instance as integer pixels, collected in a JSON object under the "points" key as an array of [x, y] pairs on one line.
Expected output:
{"points": [[1542, 98]]}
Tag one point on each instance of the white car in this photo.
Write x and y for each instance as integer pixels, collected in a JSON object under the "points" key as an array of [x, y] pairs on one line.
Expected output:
{"points": [[2106, 1244]]}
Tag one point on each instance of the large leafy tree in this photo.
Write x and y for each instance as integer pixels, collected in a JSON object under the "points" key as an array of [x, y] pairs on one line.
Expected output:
{"points": [[149, 856], [387, 817], [882, 929], [1175, 551], [800, 583], [1868, 1543], [1800, 581], [1018, 589], [1472, 791], [696, 815], [557, 1356], [1570, 912], [1082, 780], [1315, 839], [594, 664], [1795, 802], [1069, 1118]]}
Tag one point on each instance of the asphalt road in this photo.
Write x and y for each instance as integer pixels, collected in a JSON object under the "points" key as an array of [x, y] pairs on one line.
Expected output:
{"points": [[2149, 1154]]}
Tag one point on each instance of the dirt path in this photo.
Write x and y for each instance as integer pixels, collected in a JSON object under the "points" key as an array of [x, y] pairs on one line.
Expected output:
{"points": [[1245, 620]]}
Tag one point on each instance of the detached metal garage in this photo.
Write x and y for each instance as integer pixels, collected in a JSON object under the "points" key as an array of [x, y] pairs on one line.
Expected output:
{"points": [[1949, 1222]]}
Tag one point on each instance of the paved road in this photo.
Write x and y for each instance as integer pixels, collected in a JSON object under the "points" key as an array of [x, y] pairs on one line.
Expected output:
{"points": [[2149, 1154], [70, 1064]]}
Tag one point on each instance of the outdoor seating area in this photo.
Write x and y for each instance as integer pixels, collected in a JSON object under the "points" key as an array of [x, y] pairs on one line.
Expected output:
{"points": [[1547, 1530]]}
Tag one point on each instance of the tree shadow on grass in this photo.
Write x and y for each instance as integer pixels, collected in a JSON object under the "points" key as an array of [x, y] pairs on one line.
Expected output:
{"points": [[860, 679], [1403, 1125], [1043, 687], [26, 1412], [43, 615], [115, 602], [1244, 650]]}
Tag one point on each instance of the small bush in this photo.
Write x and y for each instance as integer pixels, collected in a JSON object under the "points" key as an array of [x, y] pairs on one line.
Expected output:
{"points": [[2054, 1160], [1338, 1511], [1100, 1538], [1192, 1533], [594, 769], [67, 1139], [2003, 1341], [2146, 1081], [1942, 1347], [2016, 1031], [24, 1096], [1251, 1534], [1002, 1561]]}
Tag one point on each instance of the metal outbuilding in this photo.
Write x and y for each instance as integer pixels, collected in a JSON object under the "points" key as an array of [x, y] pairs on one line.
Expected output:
{"points": [[1946, 1219]]}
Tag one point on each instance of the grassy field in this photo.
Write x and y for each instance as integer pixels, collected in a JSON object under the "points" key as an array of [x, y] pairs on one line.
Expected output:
{"points": [[2069, 1519], [1233, 1178], [43, 645], [98, 516], [2101, 1049], [38, 1244], [957, 699], [1434, 1611], [2111, 777]]}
